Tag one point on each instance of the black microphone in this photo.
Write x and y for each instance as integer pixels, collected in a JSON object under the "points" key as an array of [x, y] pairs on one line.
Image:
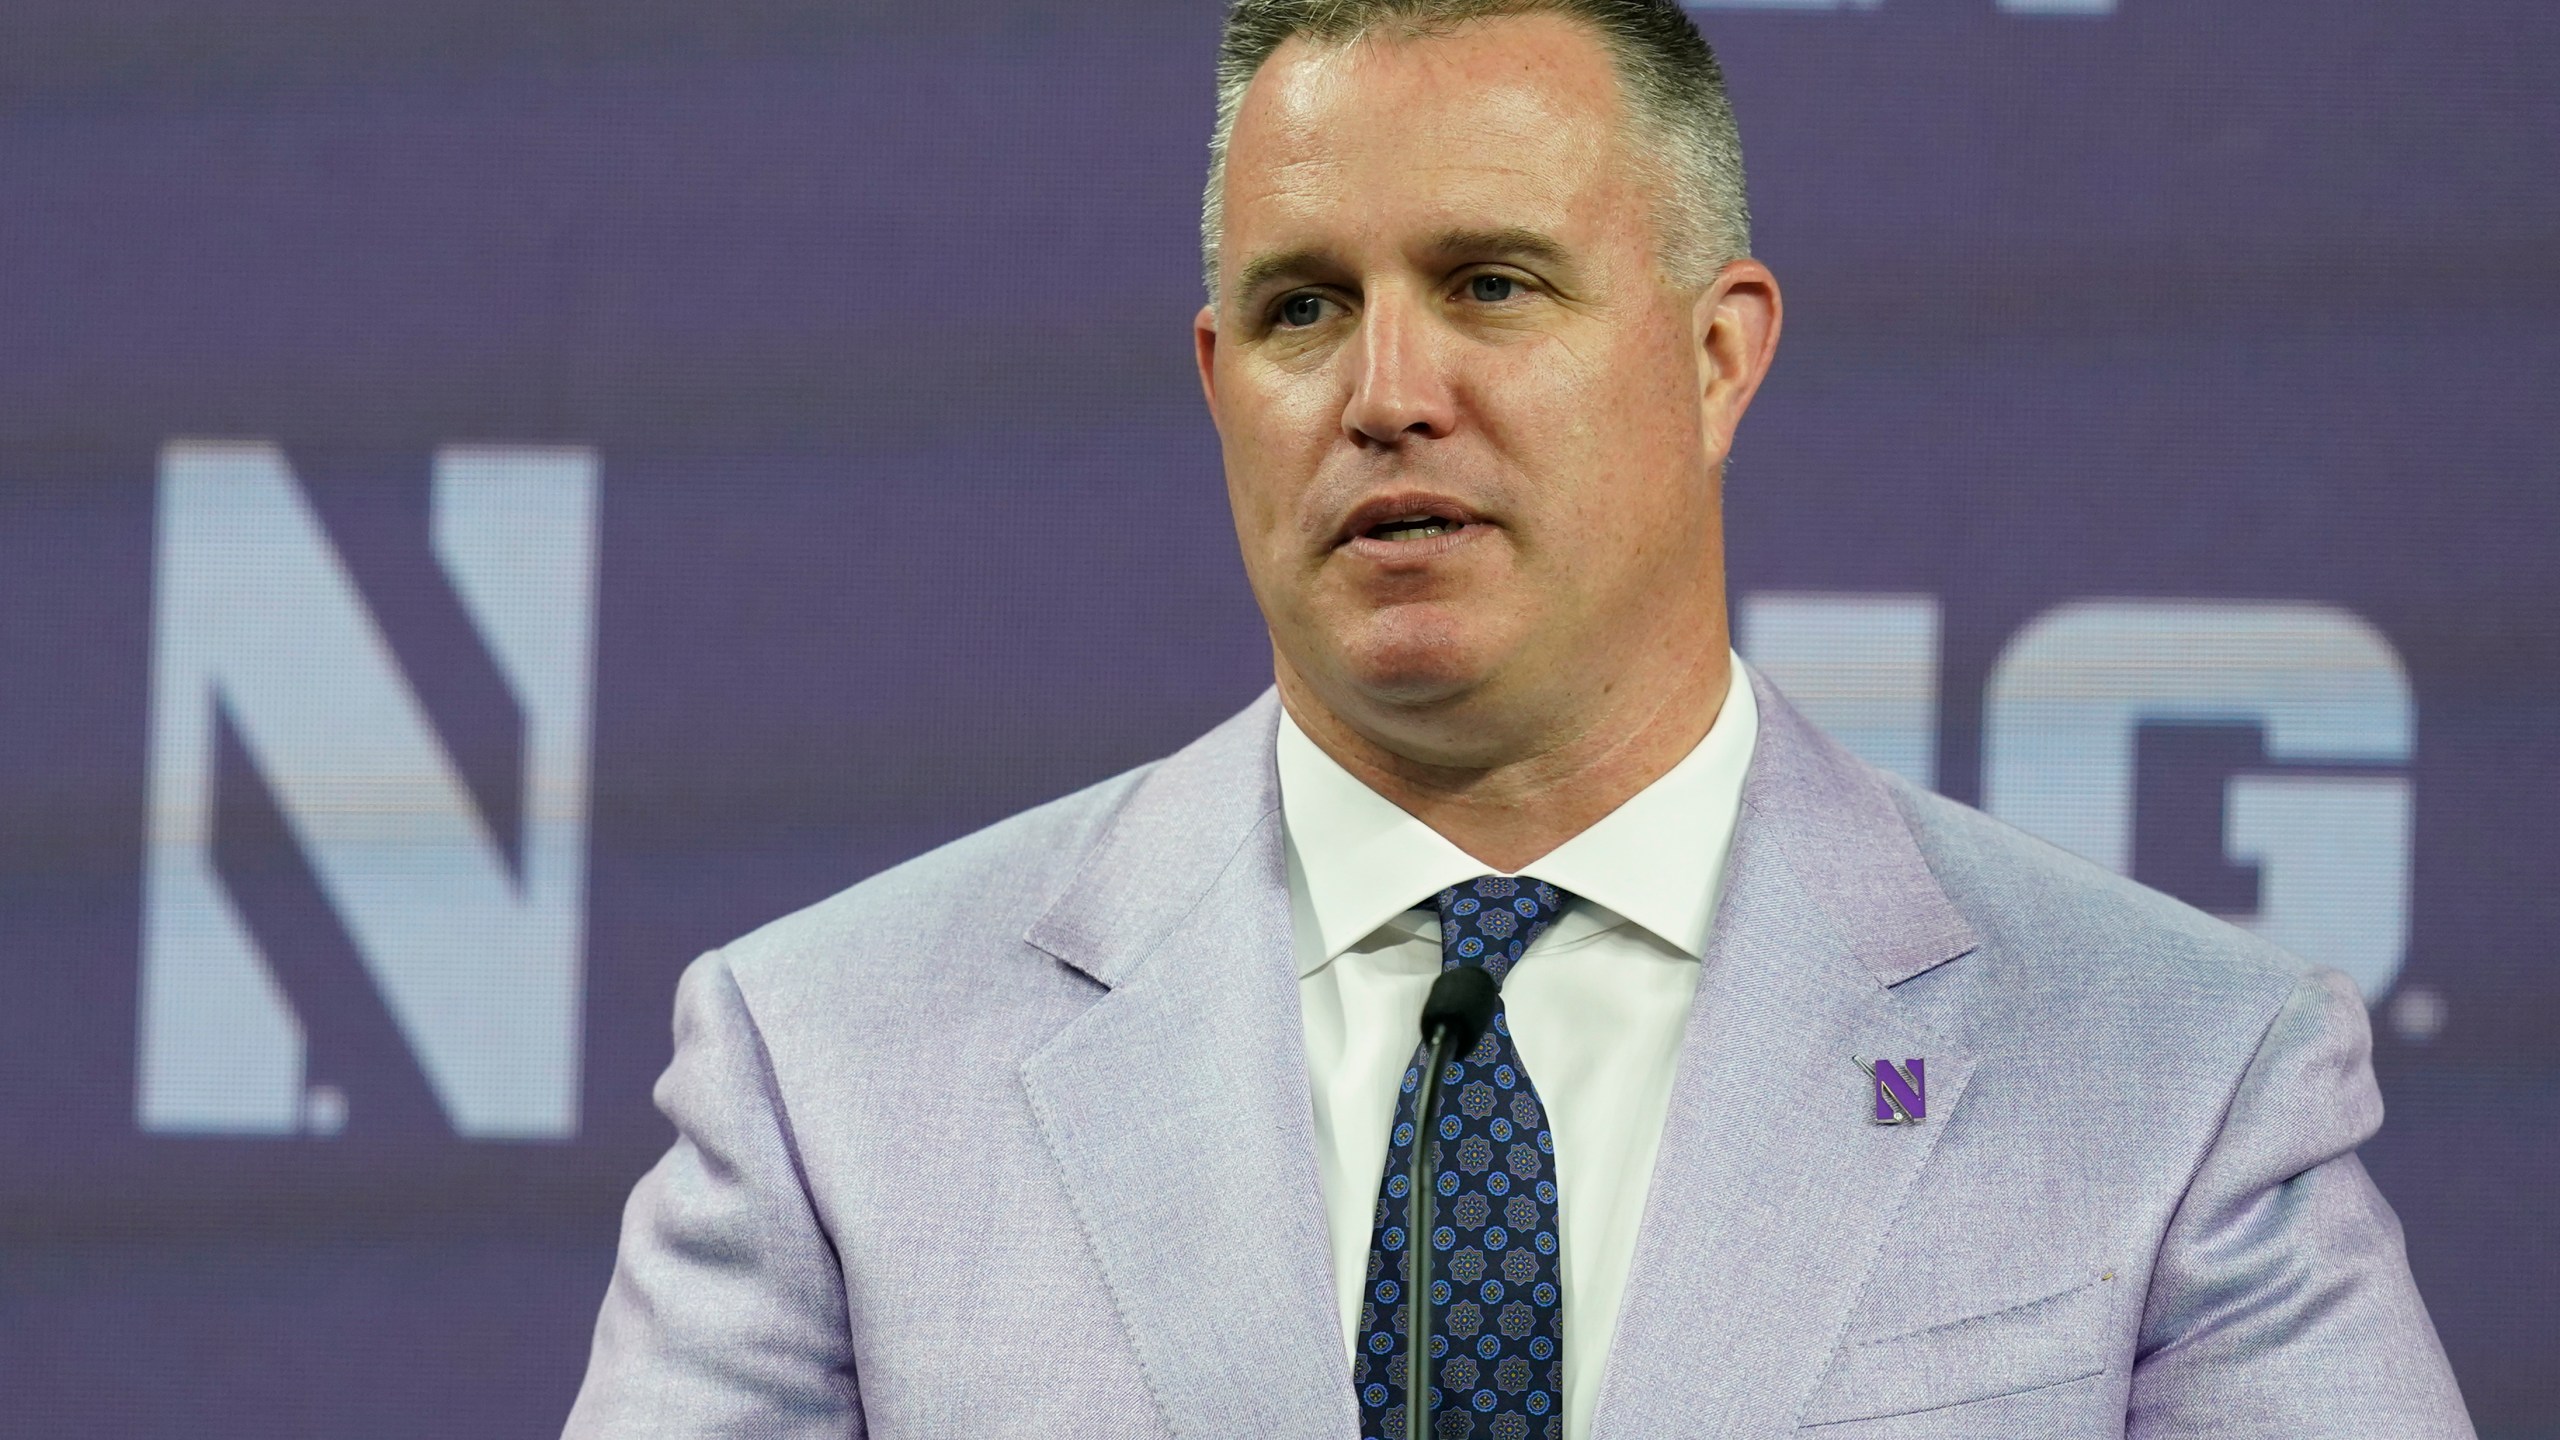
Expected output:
{"points": [[1454, 1018]]}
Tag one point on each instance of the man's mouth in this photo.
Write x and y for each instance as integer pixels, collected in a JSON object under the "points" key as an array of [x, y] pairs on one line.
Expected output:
{"points": [[1406, 520], [1410, 527]]}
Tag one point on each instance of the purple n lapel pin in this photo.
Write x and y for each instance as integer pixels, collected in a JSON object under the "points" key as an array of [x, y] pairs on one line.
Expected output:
{"points": [[1902, 1091]]}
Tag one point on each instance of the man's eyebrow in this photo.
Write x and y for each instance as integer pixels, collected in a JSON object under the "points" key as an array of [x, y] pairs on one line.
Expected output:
{"points": [[1261, 270], [1511, 242]]}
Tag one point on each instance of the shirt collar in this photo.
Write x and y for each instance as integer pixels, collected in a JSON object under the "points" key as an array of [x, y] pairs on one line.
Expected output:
{"points": [[1357, 861]]}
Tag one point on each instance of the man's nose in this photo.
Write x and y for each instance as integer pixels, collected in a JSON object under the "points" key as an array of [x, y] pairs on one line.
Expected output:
{"points": [[1400, 388]]}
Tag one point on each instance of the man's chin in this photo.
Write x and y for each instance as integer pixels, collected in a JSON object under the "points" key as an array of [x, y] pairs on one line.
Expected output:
{"points": [[1411, 658], [1417, 671]]}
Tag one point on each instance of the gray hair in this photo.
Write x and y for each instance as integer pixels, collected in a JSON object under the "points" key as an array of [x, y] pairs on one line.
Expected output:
{"points": [[1676, 104]]}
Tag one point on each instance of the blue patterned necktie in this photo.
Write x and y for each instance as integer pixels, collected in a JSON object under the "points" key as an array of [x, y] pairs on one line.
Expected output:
{"points": [[1497, 1307]]}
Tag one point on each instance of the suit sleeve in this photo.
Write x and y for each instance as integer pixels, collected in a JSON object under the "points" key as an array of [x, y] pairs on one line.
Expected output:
{"points": [[2281, 1302], [726, 1315]]}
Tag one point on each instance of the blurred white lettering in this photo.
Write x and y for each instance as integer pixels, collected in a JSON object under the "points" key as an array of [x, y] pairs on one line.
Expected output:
{"points": [[480, 967]]}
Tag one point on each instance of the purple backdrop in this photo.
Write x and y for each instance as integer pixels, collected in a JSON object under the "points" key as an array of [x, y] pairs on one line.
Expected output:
{"points": [[864, 333]]}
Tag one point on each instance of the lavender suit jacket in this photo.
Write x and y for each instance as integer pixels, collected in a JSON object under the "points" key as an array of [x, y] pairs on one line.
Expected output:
{"points": [[1016, 1140]]}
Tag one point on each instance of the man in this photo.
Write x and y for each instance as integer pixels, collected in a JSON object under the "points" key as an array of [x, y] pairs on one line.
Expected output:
{"points": [[1097, 1122]]}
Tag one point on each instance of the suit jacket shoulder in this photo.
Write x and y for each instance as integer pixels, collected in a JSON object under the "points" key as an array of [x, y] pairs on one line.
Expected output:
{"points": [[946, 922], [905, 1108]]}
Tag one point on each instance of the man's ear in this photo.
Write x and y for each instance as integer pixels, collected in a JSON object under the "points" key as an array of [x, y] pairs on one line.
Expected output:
{"points": [[1204, 349], [1737, 321]]}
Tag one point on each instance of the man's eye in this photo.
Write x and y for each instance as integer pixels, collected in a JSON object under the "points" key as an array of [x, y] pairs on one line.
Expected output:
{"points": [[1300, 311], [1492, 289]]}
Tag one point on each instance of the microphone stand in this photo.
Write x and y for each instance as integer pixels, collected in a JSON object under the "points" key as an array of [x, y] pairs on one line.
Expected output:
{"points": [[1460, 1006]]}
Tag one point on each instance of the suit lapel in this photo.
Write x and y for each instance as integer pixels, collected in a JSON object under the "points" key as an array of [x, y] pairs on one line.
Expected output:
{"points": [[1178, 1109], [1774, 1191]]}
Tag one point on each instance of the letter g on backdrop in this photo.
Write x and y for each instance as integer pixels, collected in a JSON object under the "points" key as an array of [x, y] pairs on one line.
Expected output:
{"points": [[2324, 823]]}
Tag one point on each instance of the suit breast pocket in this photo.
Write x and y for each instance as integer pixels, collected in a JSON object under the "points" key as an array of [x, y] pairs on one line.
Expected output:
{"points": [[2030, 1347]]}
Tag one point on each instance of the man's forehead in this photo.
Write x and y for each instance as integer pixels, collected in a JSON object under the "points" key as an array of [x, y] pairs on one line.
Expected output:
{"points": [[1509, 77], [1500, 126]]}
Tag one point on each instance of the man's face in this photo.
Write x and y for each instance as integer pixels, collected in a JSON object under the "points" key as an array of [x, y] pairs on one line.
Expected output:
{"points": [[1472, 430]]}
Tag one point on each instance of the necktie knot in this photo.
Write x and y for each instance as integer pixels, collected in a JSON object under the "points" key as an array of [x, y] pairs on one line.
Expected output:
{"points": [[1492, 920]]}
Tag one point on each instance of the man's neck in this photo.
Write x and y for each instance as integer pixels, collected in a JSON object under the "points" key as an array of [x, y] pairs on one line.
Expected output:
{"points": [[1510, 813]]}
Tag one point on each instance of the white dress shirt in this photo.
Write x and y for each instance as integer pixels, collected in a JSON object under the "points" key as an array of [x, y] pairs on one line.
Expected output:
{"points": [[1596, 1006]]}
